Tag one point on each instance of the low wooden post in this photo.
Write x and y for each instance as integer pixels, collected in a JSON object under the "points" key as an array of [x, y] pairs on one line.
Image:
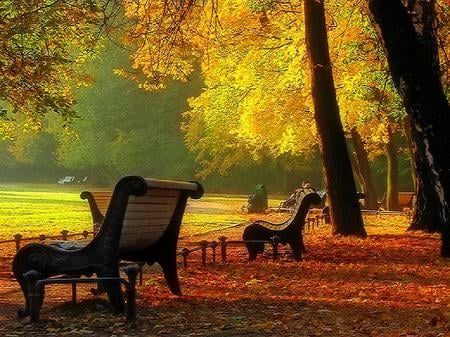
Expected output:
{"points": [[42, 237], [223, 247], [64, 233], [85, 234], [275, 242], [17, 239], [185, 252], [204, 245], [214, 245]]}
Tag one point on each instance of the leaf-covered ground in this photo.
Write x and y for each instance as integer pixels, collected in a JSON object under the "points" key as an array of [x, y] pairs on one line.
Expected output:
{"points": [[391, 284]]}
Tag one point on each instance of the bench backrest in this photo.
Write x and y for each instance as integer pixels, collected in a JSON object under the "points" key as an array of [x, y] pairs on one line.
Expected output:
{"points": [[102, 200], [142, 211], [148, 216], [306, 198], [98, 204]]}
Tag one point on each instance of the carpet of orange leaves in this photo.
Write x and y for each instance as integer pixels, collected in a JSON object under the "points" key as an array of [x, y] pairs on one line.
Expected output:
{"points": [[391, 284]]}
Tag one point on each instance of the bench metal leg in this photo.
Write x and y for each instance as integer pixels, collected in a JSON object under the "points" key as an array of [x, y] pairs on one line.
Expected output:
{"points": [[74, 292], [132, 272], [35, 295]]}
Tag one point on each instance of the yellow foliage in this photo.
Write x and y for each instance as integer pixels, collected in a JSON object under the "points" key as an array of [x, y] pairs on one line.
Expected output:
{"points": [[252, 56]]}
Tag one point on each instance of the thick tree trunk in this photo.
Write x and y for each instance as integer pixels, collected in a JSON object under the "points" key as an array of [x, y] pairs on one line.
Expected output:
{"points": [[340, 185], [418, 83], [426, 216], [392, 173], [426, 209], [364, 168]]}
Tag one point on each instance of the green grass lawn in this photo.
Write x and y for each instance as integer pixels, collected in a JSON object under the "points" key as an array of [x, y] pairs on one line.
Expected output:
{"points": [[34, 209]]}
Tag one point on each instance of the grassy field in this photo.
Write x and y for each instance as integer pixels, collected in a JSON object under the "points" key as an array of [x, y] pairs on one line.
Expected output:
{"points": [[34, 209]]}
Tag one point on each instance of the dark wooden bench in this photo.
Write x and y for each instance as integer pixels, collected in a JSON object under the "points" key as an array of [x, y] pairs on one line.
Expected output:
{"points": [[98, 205], [288, 232], [142, 223]]}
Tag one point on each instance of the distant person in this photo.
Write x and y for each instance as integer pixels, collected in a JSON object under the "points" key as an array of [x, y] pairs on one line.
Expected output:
{"points": [[307, 185], [257, 202], [292, 201]]}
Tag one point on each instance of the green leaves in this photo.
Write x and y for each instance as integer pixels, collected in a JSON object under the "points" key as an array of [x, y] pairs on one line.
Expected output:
{"points": [[43, 44]]}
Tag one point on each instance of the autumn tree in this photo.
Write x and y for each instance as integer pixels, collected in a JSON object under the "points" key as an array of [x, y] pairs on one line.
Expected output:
{"points": [[415, 72], [362, 166], [425, 20], [42, 45], [341, 190], [122, 128]]}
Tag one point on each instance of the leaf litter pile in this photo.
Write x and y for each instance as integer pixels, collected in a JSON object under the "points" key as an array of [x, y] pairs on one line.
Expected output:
{"points": [[393, 283]]}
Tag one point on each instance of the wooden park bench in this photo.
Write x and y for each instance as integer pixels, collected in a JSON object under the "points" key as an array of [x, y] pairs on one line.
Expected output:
{"points": [[98, 204], [406, 203], [288, 232], [406, 200], [66, 180], [142, 223]]}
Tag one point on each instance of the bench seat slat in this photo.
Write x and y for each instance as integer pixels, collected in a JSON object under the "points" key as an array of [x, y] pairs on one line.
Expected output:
{"points": [[170, 184], [104, 194], [144, 231], [140, 225], [131, 208], [156, 214], [145, 222], [153, 200], [161, 193]]}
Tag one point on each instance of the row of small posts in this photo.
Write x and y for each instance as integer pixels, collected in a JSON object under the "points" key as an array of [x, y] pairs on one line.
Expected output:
{"points": [[18, 238], [202, 246], [223, 243], [310, 223]]}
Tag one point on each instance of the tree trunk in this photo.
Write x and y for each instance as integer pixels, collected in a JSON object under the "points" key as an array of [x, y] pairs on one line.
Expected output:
{"points": [[426, 208], [417, 80], [408, 135], [364, 167], [356, 171], [340, 185], [392, 173], [426, 216]]}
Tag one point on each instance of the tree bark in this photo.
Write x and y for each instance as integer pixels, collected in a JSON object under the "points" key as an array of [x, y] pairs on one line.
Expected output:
{"points": [[426, 216], [392, 173], [340, 184], [418, 82], [356, 171], [407, 131], [426, 208], [362, 159]]}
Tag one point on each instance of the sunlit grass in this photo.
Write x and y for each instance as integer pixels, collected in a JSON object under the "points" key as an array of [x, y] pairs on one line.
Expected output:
{"points": [[35, 209], [41, 211]]}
